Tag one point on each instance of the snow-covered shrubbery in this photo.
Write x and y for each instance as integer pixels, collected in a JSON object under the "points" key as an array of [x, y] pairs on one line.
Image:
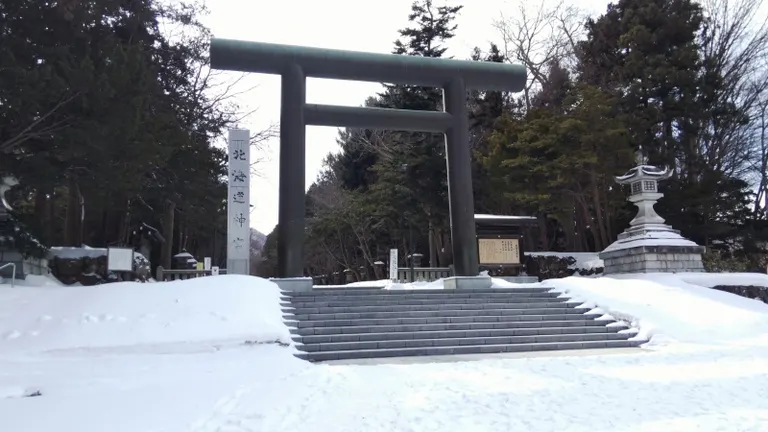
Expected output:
{"points": [[553, 265]]}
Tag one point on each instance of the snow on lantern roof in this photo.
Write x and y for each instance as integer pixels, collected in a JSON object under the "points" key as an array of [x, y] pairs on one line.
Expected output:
{"points": [[500, 217], [643, 171]]}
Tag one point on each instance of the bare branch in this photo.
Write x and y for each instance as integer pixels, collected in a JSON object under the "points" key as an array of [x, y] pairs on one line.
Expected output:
{"points": [[33, 130], [538, 37], [734, 49]]}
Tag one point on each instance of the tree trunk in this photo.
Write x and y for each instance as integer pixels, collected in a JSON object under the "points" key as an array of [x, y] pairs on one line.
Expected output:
{"points": [[180, 234], [124, 228], [543, 232], [602, 229], [445, 255], [73, 224], [568, 222], [43, 215], [167, 250], [432, 247], [53, 226]]}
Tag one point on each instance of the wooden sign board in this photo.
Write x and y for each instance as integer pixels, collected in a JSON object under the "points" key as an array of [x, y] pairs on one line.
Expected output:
{"points": [[120, 259], [499, 251]]}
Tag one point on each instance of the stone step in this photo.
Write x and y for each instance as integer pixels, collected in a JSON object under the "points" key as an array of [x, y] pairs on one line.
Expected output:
{"points": [[438, 313], [466, 349], [491, 340], [427, 307], [326, 288], [337, 291], [392, 328], [451, 334], [329, 322], [406, 297], [410, 301]]}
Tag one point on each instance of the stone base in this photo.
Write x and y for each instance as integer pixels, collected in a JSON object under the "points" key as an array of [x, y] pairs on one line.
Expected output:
{"points": [[653, 259], [519, 279], [467, 282], [293, 284]]}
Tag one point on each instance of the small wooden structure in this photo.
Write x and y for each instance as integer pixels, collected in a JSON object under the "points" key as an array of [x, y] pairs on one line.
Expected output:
{"points": [[500, 243]]}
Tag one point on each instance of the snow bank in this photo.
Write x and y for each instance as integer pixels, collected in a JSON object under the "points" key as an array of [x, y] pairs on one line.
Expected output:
{"points": [[666, 307], [438, 284], [209, 311], [68, 252], [389, 285], [362, 284], [711, 280]]}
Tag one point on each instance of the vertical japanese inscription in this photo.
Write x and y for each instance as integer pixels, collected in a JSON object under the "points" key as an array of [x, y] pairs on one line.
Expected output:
{"points": [[238, 203]]}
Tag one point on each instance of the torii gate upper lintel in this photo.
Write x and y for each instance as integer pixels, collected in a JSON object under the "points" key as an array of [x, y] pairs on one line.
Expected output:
{"points": [[295, 64]]}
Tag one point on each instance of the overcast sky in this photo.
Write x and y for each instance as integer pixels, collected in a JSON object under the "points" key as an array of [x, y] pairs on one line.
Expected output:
{"points": [[359, 25]]}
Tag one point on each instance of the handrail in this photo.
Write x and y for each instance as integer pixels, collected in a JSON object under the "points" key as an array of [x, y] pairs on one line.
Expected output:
{"points": [[13, 274]]}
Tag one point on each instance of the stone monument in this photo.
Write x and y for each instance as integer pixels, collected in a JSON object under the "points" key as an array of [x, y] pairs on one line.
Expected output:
{"points": [[649, 245]]}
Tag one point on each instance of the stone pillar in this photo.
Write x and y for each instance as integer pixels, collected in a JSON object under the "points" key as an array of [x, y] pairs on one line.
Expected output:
{"points": [[291, 205], [461, 200]]}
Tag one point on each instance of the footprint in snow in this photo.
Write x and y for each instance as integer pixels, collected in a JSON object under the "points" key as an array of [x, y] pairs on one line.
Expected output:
{"points": [[89, 318], [15, 334]]}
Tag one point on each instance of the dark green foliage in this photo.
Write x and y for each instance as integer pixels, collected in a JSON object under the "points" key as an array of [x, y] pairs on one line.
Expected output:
{"points": [[99, 106], [14, 235]]}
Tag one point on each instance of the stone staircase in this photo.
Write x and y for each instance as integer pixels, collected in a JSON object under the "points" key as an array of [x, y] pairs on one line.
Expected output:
{"points": [[336, 324]]}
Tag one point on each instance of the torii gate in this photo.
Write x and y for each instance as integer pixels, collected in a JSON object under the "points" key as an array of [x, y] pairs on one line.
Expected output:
{"points": [[295, 64]]}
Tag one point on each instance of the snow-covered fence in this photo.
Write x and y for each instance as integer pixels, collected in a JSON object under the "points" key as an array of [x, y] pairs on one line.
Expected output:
{"points": [[164, 275]]}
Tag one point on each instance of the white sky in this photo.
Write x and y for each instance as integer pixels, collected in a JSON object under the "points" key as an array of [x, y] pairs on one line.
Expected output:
{"points": [[358, 25]]}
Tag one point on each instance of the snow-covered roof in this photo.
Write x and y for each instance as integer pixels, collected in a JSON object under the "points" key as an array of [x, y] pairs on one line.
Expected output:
{"points": [[651, 238], [642, 172], [500, 217]]}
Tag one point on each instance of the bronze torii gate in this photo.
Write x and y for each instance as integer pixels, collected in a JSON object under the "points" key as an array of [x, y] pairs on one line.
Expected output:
{"points": [[295, 64]]}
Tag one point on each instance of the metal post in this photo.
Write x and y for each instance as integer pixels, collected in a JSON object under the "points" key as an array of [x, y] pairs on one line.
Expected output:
{"points": [[461, 199], [290, 231]]}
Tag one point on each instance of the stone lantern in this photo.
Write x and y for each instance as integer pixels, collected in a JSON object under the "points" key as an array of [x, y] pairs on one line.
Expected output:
{"points": [[649, 245], [6, 183]]}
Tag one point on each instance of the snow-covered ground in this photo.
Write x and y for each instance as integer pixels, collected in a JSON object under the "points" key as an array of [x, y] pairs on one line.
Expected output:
{"points": [[212, 354]]}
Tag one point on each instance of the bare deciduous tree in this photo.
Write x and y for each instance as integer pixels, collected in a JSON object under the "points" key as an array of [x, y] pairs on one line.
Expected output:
{"points": [[734, 49], [537, 37], [759, 160]]}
